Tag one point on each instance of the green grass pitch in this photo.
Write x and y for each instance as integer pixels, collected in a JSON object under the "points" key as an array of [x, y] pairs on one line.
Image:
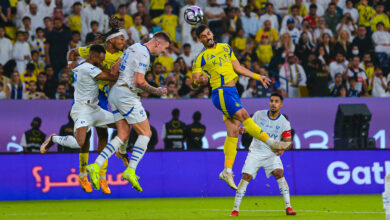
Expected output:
{"points": [[262, 207]]}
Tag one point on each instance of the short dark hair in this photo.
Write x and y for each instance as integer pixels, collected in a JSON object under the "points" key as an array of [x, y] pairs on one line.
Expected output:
{"points": [[294, 7], [170, 83], [355, 56], [163, 36], [76, 3], [30, 66], [33, 52], [26, 18], [197, 116], [97, 48], [94, 22], [278, 95], [332, 4], [57, 19], [313, 6], [75, 32], [175, 113], [200, 29], [122, 6], [186, 45], [380, 23], [39, 29], [62, 84]]}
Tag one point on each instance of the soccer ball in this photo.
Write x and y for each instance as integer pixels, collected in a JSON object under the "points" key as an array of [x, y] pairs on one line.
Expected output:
{"points": [[193, 15]]}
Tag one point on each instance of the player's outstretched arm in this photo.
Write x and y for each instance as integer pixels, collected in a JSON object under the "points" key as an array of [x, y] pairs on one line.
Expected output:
{"points": [[141, 83], [245, 72], [285, 139], [107, 76]]}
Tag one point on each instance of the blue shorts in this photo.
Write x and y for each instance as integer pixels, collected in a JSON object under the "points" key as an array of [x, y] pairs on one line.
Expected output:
{"points": [[103, 100], [227, 100]]}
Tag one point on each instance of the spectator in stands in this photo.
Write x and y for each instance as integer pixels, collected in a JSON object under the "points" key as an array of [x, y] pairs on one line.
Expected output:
{"points": [[171, 91], [5, 13], [51, 83], [74, 19], [139, 33], [109, 8], [39, 45], [215, 14], [28, 76], [39, 67], [304, 47], [331, 17], [22, 9], [195, 132], [48, 25], [186, 90], [76, 40], [343, 45], [250, 23], [36, 18], [268, 30], [32, 93], [335, 86], [292, 17], [69, 89], [312, 17], [381, 39], [292, 76], [26, 28], [6, 47], [91, 13], [270, 16], [318, 79], [379, 17], [15, 88], [176, 74], [173, 132], [46, 8], [292, 30], [61, 91], [41, 83], [32, 139], [186, 55], [2, 91], [91, 36], [168, 21], [281, 6], [158, 74], [21, 52], [146, 18], [362, 41], [378, 83], [157, 7], [127, 18], [321, 30], [340, 65], [230, 24], [342, 92], [57, 45], [348, 25], [251, 91], [264, 51], [196, 45], [239, 42], [352, 91], [4, 81], [358, 76], [302, 9], [166, 63], [185, 27]]}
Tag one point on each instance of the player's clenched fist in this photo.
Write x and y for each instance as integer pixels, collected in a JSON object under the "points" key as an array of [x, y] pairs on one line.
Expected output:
{"points": [[161, 91]]}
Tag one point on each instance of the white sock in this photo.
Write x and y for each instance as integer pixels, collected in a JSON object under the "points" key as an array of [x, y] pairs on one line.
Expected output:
{"points": [[285, 191], [81, 175], [229, 170], [108, 151], [68, 141], [240, 193], [122, 148], [139, 150]]}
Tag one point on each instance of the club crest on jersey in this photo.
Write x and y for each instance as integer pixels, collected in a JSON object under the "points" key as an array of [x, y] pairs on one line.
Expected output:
{"points": [[277, 127]]}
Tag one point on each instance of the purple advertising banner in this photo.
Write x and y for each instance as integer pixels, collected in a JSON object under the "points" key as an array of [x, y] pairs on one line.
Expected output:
{"points": [[311, 118], [194, 174]]}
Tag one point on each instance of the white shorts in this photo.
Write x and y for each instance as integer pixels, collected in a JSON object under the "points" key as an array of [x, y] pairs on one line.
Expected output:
{"points": [[255, 161], [85, 115], [125, 104]]}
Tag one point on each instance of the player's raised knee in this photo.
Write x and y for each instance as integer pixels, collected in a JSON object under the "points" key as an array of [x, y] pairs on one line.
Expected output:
{"points": [[247, 177], [278, 173]]}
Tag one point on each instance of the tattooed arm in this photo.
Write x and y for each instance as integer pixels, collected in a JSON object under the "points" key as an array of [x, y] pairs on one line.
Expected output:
{"points": [[141, 83]]}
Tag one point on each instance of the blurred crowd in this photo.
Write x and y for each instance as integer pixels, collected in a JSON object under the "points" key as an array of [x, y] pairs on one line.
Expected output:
{"points": [[308, 48]]}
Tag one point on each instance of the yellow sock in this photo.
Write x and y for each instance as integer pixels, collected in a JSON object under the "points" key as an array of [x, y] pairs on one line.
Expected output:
{"points": [[254, 130], [230, 150], [83, 160], [103, 169]]}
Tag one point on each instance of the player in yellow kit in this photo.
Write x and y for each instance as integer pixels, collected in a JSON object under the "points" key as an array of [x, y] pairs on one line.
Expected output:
{"points": [[114, 45], [221, 66]]}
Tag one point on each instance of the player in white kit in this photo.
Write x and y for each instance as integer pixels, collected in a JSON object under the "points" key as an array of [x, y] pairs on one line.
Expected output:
{"points": [[262, 156], [127, 107]]}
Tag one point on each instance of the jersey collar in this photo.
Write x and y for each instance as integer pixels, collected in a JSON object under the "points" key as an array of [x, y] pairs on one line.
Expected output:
{"points": [[272, 118], [147, 49]]}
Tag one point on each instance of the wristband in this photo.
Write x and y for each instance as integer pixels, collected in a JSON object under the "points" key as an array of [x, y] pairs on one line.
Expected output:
{"points": [[256, 77]]}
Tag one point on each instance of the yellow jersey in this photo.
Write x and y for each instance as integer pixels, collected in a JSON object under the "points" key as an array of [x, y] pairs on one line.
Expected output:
{"points": [[264, 53], [74, 22], [167, 62], [157, 4], [239, 43], [217, 64], [168, 24], [109, 61], [379, 18], [24, 78], [272, 33], [127, 19], [365, 14]]}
